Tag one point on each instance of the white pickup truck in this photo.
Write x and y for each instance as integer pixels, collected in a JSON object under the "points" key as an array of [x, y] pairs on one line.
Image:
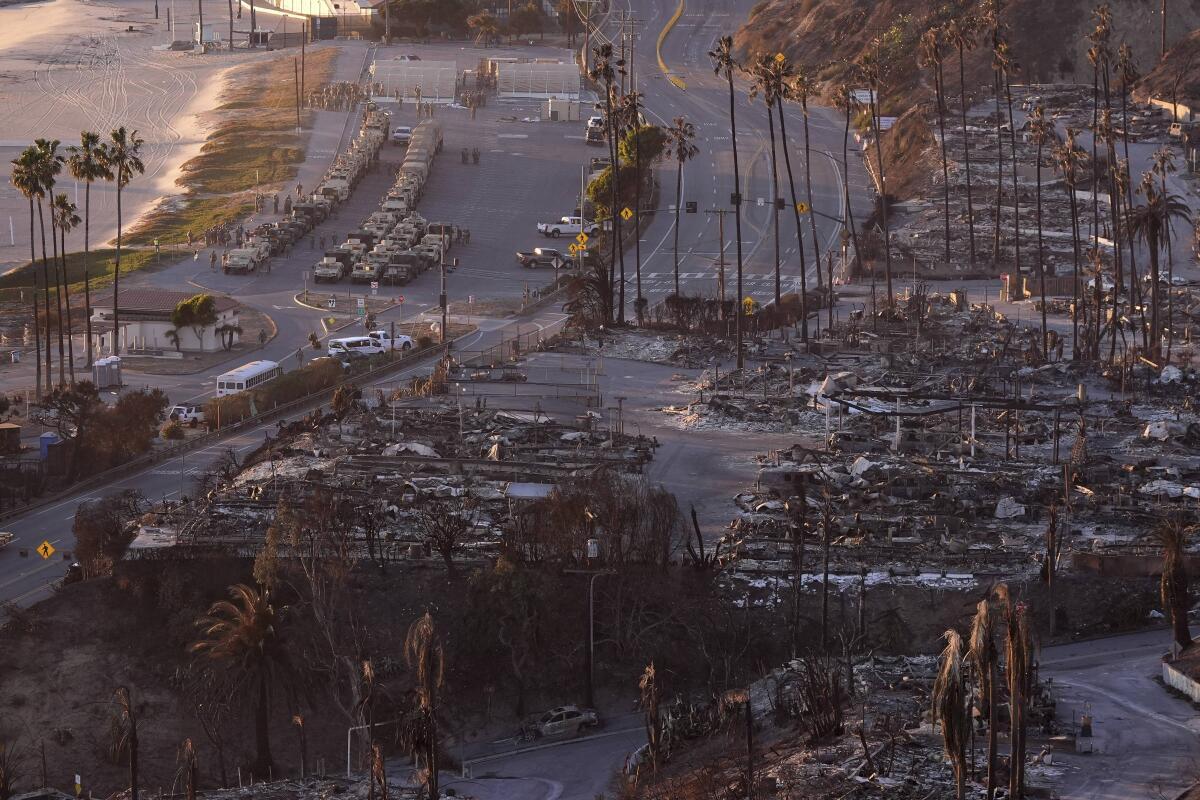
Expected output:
{"points": [[569, 226], [6, 539]]}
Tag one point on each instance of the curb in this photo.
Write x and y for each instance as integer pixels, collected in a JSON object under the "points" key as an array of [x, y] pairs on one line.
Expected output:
{"points": [[662, 37]]}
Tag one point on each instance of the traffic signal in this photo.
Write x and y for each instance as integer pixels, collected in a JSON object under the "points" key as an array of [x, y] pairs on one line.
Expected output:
{"points": [[779, 203], [735, 199], [690, 207]]}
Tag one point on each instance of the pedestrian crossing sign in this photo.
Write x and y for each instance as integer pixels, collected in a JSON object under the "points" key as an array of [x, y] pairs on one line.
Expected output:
{"points": [[802, 207], [582, 238], [626, 213], [45, 549], [573, 249]]}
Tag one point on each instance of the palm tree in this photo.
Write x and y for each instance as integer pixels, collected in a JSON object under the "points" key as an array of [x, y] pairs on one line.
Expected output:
{"points": [[1009, 67], [1164, 164], [1042, 131], [1000, 54], [605, 71], [240, 636], [984, 657], [25, 179], [1068, 159], [651, 697], [795, 84], [723, 66], [847, 103], [960, 33], [49, 165], [1017, 661], [66, 220], [950, 708], [871, 72], [1172, 533], [129, 713], [681, 146], [1108, 136], [1151, 223], [424, 656], [122, 157], [929, 55], [766, 81], [633, 124], [1128, 72], [799, 87], [86, 163]]}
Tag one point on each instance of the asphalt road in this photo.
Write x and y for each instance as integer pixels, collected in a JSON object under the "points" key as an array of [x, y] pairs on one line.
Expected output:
{"points": [[1146, 740]]}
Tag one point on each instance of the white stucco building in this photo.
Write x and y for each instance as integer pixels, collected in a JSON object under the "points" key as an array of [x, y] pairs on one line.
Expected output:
{"points": [[145, 319]]}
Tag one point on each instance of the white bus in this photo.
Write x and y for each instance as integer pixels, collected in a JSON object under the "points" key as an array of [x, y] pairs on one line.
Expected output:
{"points": [[246, 377]]}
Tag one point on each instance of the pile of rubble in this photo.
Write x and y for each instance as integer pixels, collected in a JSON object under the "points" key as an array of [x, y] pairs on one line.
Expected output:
{"points": [[394, 462]]}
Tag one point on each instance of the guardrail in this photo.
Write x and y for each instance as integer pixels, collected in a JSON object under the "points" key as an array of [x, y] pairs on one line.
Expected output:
{"points": [[319, 397]]}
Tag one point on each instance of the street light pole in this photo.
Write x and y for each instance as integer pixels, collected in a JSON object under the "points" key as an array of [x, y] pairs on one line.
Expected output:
{"points": [[589, 691]]}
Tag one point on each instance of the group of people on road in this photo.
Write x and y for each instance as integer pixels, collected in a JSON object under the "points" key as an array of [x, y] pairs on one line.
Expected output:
{"points": [[470, 157], [340, 96], [473, 101], [462, 235], [220, 235]]}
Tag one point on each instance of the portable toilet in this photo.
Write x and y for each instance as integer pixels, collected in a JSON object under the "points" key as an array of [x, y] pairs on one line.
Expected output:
{"points": [[45, 442], [114, 377], [100, 373]]}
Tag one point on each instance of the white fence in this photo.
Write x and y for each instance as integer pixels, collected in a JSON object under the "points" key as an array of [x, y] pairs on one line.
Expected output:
{"points": [[436, 81], [538, 80]]}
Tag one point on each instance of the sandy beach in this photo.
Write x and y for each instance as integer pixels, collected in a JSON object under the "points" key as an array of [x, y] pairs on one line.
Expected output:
{"points": [[71, 65]]}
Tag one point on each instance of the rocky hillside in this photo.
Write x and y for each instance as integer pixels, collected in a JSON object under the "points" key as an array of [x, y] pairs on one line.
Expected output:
{"points": [[1046, 37], [1177, 77]]}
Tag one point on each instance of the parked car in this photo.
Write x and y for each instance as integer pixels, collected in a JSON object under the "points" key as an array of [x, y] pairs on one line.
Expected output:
{"points": [[561, 722], [187, 415], [401, 342], [594, 136], [595, 122]]}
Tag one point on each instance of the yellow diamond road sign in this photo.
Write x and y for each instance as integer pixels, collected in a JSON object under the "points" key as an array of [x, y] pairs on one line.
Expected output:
{"points": [[780, 57], [626, 213], [802, 207], [573, 249], [45, 549], [582, 238]]}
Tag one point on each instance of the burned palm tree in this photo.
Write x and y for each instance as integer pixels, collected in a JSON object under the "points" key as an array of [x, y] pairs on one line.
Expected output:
{"points": [[1128, 72], [794, 85], [984, 657], [847, 104], [767, 82], [1172, 533], [424, 655], [1151, 223], [651, 698], [1164, 164], [929, 55], [951, 710], [798, 85], [1017, 647], [960, 33], [1041, 131], [605, 72], [1068, 160], [870, 71]]}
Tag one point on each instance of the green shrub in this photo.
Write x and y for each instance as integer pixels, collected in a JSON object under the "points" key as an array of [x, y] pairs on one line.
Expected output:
{"points": [[172, 431]]}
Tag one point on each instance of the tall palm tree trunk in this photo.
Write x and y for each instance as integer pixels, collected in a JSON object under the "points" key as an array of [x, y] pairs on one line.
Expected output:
{"points": [[787, 161], [262, 727], [1012, 139], [737, 220], [939, 89], [116, 332], [774, 198], [58, 300], [46, 285], [67, 302], [846, 182], [991, 740], [812, 216], [637, 211], [1076, 298], [37, 339], [1155, 334], [678, 201], [962, 88], [883, 200], [1041, 260], [996, 79], [87, 287]]}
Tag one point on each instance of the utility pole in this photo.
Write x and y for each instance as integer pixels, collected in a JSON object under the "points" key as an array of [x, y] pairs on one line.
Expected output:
{"points": [[442, 298], [296, 70], [720, 212], [303, 48], [200, 35], [387, 24]]}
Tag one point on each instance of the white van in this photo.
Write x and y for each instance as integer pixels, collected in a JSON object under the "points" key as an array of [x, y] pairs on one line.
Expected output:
{"points": [[354, 344]]}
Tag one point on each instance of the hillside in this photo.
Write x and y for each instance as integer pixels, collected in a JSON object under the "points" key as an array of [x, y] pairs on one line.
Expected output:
{"points": [[1046, 37]]}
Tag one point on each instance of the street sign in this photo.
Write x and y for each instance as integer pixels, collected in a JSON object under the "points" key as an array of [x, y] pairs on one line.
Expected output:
{"points": [[802, 207], [331, 302], [573, 249], [780, 58], [374, 284], [362, 302], [400, 299], [374, 291], [361, 311], [760, 201], [45, 549], [626, 213], [689, 207], [582, 238]]}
